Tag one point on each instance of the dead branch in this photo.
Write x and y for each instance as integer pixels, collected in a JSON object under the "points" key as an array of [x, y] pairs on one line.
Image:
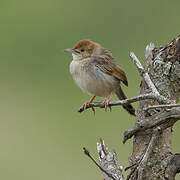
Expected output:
{"points": [[163, 119], [86, 152], [168, 106], [108, 162], [144, 74], [126, 101]]}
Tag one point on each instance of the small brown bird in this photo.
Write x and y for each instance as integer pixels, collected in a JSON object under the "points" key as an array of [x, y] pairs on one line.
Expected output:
{"points": [[94, 70]]}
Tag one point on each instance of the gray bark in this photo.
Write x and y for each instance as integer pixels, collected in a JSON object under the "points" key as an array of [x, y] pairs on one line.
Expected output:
{"points": [[164, 71]]}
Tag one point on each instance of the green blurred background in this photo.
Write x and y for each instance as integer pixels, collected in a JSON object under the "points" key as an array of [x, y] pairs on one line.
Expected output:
{"points": [[41, 133]]}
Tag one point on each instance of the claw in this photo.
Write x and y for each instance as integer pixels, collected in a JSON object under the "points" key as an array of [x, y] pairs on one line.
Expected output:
{"points": [[87, 104], [106, 102], [93, 110]]}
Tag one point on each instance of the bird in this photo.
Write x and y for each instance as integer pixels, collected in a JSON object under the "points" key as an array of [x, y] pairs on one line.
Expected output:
{"points": [[95, 71]]}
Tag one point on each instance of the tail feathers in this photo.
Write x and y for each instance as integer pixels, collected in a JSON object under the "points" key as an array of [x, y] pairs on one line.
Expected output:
{"points": [[128, 107]]}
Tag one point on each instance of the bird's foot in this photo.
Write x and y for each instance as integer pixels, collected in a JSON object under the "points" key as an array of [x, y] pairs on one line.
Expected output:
{"points": [[87, 104], [106, 105], [106, 102]]}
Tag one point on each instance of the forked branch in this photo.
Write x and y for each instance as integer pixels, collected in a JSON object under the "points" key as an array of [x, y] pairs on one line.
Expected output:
{"points": [[108, 162]]}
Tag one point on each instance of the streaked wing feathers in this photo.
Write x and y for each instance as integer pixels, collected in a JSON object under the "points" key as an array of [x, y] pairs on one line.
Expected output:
{"points": [[120, 74], [108, 66]]}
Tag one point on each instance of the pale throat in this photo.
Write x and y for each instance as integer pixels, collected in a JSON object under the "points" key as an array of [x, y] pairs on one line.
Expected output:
{"points": [[75, 57]]}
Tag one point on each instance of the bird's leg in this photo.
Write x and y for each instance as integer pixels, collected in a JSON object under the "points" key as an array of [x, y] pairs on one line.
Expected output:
{"points": [[88, 102], [106, 102]]}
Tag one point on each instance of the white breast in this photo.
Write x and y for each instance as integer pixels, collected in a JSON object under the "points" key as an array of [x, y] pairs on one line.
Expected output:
{"points": [[92, 80], [79, 75], [75, 57]]}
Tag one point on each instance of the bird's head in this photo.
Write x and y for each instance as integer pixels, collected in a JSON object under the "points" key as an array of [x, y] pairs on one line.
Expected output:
{"points": [[84, 49]]}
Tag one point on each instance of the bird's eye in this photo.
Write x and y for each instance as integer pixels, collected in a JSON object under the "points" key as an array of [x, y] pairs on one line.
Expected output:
{"points": [[82, 50]]}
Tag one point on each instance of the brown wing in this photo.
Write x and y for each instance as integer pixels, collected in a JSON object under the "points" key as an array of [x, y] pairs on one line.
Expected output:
{"points": [[108, 66], [120, 74]]}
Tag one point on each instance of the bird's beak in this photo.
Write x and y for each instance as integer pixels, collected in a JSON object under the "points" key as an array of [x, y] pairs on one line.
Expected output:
{"points": [[70, 50]]}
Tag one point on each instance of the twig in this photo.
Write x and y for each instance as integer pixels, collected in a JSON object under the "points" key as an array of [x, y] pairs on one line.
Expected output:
{"points": [[162, 106], [144, 74], [86, 152], [131, 173], [129, 167], [133, 168], [109, 162], [126, 101]]}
